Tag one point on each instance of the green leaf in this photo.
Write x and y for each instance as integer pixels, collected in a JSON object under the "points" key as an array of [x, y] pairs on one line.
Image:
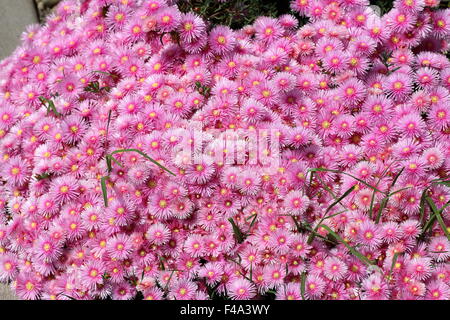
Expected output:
{"points": [[106, 73], [438, 215], [108, 162], [444, 207], [422, 205], [429, 224], [380, 210], [307, 227], [355, 252], [394, 261], [303, 285], [104, 191], [168, 281], [444, 182], [237, 232], [253, 222], [115, 161], [49, 105], [43, 176], [145, 156], [109, 121], [346, 193], [385, 201], [347, 174], [397, 176]]}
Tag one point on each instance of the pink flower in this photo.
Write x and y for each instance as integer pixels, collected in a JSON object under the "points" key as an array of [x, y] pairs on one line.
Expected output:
{"points": [[375, 288], [92, 274], [296, 203], [221, 40], [241, 289], [28, 286], [119, 247], [191, 27], [334, 269], [17, 171], [183, 289], [64, 189]]}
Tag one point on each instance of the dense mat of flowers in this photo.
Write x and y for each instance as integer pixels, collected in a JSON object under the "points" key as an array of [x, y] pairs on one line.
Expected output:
{"points": [[362, 95]]}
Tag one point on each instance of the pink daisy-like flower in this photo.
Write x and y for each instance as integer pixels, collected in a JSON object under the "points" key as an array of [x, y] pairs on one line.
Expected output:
{"points": [[64, 189], [439, 116], [439, 248], [375, 288], [314, 286], [159, 206], [426, 78], [267, 29], [411, 125], [8, 116], [249, 182], [183, 289], [291, 291], [191, 27], [410, 228], [153, 294], [119, 247], [300, 6], [47, 249], [241, 289], [378, 107], [202, 171], [28, 286], [284, 81], [352, 91], [298, 137], [398, 85], [336, 62], [90, 218], [73, 129], [296, 203], [123, 291], [212, 272], [68, 87], [334, 268], [400, 21], [372, 143], [369, 234], [344, 126], [16, 171], [158, 234], [221, 39], [8, 267], [437, 290], [433, 157], [194, 245], [92, 273], [419, 268], [168, 19], [441, 23], [281, 241], [390, 232]]}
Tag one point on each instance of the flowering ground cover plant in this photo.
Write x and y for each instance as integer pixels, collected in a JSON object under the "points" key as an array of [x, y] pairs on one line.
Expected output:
{"points": [[129, 165]]}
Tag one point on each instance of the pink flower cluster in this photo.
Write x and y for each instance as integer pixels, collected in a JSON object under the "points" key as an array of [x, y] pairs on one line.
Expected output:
{"points": [[357, 208]]}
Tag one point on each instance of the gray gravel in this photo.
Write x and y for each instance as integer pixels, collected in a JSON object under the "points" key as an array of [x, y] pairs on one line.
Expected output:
{"points": [[15, 15], [45, 7], [6, 293]]}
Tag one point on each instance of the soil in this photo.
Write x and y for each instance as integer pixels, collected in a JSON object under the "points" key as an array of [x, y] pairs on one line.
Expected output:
{"points": [[44, 7]]}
